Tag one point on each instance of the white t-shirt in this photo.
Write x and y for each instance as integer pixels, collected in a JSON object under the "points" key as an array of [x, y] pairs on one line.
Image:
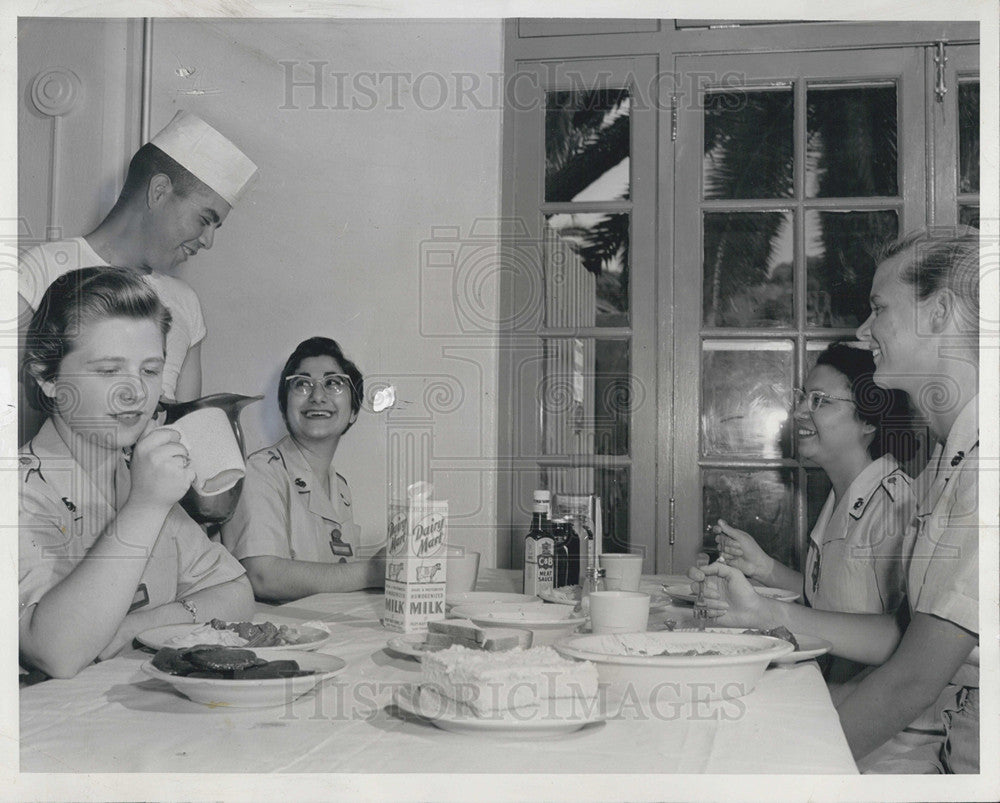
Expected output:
{"points": [[41, 265]]}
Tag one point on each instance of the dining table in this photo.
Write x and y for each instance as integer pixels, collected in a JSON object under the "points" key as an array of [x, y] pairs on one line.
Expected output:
{"points": [[112, 717]]}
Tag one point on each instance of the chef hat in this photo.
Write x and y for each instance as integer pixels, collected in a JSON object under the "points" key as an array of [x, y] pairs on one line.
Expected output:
{"points": [[209, 156]]}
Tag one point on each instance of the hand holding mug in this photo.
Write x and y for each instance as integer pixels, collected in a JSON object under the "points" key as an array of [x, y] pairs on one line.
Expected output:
{"points": [[161, 468]]}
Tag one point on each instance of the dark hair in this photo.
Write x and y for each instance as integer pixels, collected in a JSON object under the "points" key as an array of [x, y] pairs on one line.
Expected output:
{"points": [[150, 160], [886, 410], [943, 257], [75, 299], [321, 347]]}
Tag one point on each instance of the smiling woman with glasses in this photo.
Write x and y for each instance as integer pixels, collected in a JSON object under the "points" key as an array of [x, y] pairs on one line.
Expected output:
{"points": [[848, 426], [294, 527]]}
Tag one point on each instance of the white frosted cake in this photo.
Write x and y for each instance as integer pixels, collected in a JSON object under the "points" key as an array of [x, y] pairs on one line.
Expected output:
{"points": [[501, 683]]}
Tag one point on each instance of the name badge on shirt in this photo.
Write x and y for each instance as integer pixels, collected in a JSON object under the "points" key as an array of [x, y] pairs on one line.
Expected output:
{"points": [[340, 547]]}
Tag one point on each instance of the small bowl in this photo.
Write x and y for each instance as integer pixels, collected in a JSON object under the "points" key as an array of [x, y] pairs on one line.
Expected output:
{"points": [[547, 623], [633, 664]]}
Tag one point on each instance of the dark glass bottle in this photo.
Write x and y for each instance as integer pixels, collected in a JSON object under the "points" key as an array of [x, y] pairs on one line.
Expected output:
{"points": [[539, 546], [561, 538]]}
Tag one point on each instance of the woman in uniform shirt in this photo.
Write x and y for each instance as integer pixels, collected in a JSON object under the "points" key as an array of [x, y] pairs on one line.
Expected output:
{"points": [[104, 550], [845, 424], [918, 711], [294, 528]]}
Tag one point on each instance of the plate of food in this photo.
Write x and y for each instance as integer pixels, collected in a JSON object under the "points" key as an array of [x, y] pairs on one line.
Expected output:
{"points": [[806, 646], [462, 632], [534, 693], [681, 592], [564, 595], [546, 622], [265, 636], [659, 668], [222, 677]]}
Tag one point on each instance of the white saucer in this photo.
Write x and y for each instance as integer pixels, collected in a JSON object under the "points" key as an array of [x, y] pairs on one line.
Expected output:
{"points": [[563, 716]]}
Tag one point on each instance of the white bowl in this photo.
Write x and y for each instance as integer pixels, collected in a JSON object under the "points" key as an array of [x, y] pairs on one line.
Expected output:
{"points": [[547, 623], [633, 666], [219, 693]]}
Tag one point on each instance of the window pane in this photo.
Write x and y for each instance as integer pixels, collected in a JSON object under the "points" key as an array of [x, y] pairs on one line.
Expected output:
{"points": [[851, 142], [587, 145], [968, 215], [747, 269], [610, 484], [839, 263], [758, 502], [748, 144], [586, 270], [746, 397], [587, 396], [968, 137]]}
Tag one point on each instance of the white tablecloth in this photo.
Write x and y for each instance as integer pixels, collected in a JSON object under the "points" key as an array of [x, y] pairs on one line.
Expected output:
{"points": [[114, 718]]}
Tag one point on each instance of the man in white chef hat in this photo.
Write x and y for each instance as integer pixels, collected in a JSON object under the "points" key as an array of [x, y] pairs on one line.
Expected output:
{"points": [[179, 189]]}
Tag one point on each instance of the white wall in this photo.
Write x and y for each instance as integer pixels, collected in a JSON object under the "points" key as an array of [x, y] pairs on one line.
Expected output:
{"points": [[329, 240]]}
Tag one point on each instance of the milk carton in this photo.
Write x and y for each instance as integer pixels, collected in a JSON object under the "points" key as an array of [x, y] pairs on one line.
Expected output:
{"points": [[416, 560]]}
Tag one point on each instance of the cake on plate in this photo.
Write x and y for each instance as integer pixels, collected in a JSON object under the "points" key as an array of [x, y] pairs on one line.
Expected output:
{"points": [[514, 683]]}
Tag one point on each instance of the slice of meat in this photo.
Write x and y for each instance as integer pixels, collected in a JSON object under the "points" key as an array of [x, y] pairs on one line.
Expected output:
{"points": [[221, 659], [171, 661]]}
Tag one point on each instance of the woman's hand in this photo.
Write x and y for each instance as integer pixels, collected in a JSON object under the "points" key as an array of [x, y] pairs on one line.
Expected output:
{"points": [[161, 468], [742, 552], [730, 597]]}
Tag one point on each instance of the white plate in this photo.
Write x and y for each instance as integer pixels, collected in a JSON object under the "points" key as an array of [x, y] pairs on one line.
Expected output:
{"points": [[410, 645], [450, 716], [633, 663], [682, 592], [657, 602], [809, 646], [489, 598], [158, 637], [546, 622], [219, 693]]}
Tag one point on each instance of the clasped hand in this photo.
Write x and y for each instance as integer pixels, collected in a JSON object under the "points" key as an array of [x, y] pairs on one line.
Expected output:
{"points": [[730, 598]]}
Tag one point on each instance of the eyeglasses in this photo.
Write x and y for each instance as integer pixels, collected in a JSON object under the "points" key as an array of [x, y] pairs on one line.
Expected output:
{"points": [[814, 399], [332, 384]]}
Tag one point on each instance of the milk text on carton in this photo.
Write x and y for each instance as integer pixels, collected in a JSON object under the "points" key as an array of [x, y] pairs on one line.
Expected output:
{"points": [[416, 563]]}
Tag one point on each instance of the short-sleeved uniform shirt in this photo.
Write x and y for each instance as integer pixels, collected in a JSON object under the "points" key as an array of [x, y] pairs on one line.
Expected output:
{"points": [[38, 267], [62, 514], [943, 580], [856, 557], [943, 575], [284, 512]]}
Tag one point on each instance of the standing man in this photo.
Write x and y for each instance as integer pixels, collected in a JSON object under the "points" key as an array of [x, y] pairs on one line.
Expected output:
{"points": [[179, 189]]}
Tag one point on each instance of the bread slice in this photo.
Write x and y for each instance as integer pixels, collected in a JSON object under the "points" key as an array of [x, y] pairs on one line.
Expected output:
{"points": [[497, 683], [495, 639], [464, 633], [457, 628]]}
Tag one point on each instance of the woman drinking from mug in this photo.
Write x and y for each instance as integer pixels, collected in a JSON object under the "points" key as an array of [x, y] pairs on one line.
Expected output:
{"points": [[293, 528], [105, 551], [923, 334]]}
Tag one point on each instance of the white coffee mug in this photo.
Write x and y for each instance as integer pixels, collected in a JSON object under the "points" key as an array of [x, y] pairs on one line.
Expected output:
{"points": [[619, 612], [462, 570], [622, 572]]}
